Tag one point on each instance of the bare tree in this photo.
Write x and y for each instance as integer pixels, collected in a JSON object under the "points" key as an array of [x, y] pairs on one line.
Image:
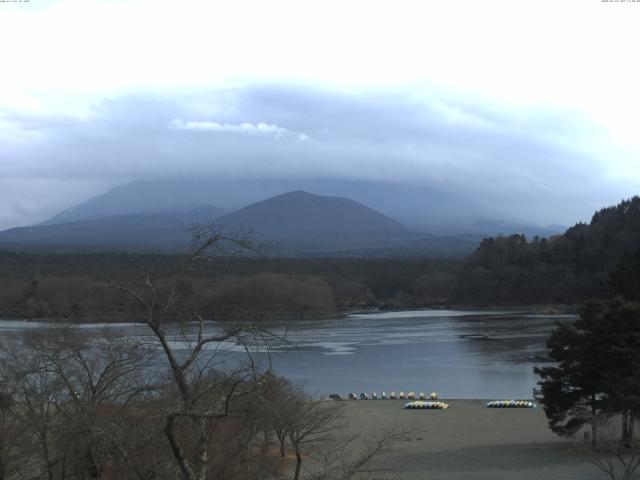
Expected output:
{"points": [[36, 403], [202, 395], [11, 437], [93, 405], [345, 456], [314, 430], [70, 391], [618, 459], [279, 399], [209, 242], [311, 421], [104, 374]]}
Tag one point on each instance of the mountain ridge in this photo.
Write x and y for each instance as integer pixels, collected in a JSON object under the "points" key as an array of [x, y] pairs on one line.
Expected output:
{"points": [[421, 208], [295, 223], [137, 231], [291, 212]]}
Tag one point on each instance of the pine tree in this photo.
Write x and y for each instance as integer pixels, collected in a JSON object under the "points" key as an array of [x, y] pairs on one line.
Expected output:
{"points": [[625, 278], [573, 390], [598, 369]]}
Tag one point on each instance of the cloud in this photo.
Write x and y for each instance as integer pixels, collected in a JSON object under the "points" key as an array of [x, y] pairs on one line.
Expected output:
{"points": [[24, 201], [245, 128], [546, 164]]}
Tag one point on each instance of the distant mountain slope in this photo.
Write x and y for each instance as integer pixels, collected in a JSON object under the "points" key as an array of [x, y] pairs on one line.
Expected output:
{"points": [[292, 224], [139, 197], [140, 232], [496, 227], [426, 209], [296, 221], [306, 224], [300, 214]]}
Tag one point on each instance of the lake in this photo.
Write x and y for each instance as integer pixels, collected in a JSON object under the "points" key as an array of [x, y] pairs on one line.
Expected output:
{"points": [[457, 353]]}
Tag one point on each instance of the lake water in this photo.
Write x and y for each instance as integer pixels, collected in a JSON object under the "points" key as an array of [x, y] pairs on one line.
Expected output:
{"points": [[459, 354], [442, 351]]}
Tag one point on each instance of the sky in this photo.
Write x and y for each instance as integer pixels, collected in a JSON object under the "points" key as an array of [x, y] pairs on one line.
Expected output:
{"points": [[529, 107]]}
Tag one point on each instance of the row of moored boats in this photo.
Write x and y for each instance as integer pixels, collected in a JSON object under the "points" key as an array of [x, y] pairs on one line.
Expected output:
{"points": [[384, 396]]}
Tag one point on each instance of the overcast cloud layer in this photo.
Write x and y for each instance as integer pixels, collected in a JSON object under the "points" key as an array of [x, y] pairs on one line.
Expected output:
{"points": [[539, 164], [528, 107]]}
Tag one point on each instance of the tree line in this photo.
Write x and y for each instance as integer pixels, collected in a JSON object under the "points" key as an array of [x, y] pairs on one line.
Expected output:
{"points": [[70, 287], [595, 378], [590, 260], [598, 259]]}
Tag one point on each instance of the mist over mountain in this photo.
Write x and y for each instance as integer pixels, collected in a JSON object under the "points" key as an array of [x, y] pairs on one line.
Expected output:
{"points": [[144, 232], [143, 197], [295, 223], [424, 209]]}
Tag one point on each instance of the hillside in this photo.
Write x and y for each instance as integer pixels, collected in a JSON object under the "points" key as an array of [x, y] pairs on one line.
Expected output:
{"points": [[299, 214], [126, 232], [292, 224], [300, 222], [587, 260]]}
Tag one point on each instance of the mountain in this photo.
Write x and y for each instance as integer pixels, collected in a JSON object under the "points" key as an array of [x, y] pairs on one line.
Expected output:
{"points": [[140, 197], [306, 223], [300, 214], [129, 232], [425, 209], [291, 224]]}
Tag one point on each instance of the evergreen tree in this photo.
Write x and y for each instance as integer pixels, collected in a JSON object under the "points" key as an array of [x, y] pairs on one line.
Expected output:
{"points": [[617, 326], [625, 278], [572, 391], [598, 369]]}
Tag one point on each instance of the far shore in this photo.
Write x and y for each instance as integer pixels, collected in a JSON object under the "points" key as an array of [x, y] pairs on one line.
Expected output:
{"points": [[559, 309]]}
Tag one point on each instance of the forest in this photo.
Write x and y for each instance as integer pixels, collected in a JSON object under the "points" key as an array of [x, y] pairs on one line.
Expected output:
{"points": [[589, 260]]}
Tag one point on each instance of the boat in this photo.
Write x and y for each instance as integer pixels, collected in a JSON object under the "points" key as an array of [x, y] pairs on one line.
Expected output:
{"points": [[511, 404], [429, 405]]}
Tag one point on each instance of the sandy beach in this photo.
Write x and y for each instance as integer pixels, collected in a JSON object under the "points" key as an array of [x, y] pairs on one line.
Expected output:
{"points": [[469, 441]]}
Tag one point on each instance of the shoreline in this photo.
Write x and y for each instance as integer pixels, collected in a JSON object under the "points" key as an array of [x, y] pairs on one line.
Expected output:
{"points": [[325, 398], [261, 317], [468, 440]]}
